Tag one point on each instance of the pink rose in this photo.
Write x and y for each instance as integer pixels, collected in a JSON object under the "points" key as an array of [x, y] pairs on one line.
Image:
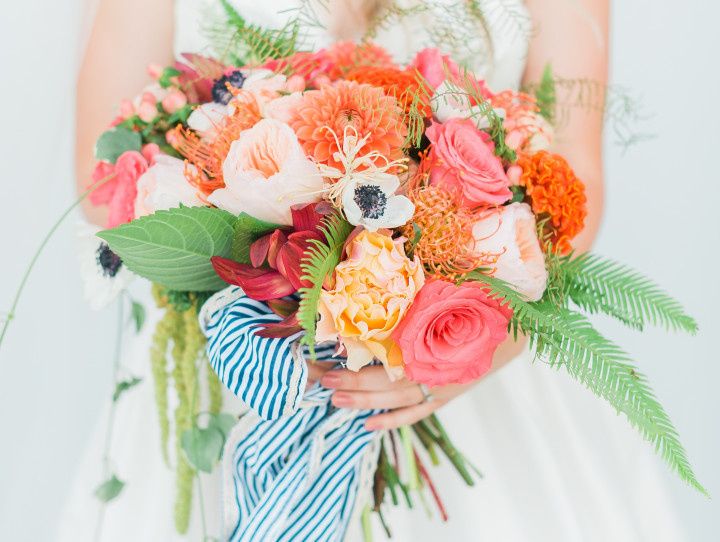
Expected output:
{"points": [[120, 191], [464, 161], [450, 333], [147, 108], [434, 66]]}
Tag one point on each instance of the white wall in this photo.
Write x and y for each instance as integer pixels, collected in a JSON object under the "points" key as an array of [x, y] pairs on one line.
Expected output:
{"points": [[55, 364]]}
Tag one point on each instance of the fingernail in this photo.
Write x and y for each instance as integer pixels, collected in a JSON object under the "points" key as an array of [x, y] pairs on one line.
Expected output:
{"points": [[372, 425], [331, 379], [342, 399]]}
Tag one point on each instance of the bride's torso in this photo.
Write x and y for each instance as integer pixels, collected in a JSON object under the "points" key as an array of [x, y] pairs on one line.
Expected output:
{"points": [[442, 23]]}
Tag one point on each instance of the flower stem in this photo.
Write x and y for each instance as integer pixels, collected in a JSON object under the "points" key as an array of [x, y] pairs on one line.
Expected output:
{"points": [[41, 248]]}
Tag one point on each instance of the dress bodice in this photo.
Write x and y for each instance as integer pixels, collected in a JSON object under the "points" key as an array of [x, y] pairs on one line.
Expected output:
{"points": [[442, 23]]}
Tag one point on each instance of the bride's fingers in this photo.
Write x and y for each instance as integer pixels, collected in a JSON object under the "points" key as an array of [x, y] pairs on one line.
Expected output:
{"points": [[317, 370], [373, 378], [367, 400], [402, 416]]}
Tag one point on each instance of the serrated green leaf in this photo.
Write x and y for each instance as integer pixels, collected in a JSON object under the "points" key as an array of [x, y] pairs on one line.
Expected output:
{"points": [[123, 386], [112, 143], [248, 229], [203, 447], [173, 248], [137, 313], [109, 489]]}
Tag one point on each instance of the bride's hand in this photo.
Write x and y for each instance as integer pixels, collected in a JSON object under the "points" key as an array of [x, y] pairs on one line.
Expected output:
{"points": [[371, 388]]}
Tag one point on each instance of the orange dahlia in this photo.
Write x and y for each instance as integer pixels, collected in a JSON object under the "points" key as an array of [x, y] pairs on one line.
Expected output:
{"points": [[404, 85], [320, 120], [556, 193]]}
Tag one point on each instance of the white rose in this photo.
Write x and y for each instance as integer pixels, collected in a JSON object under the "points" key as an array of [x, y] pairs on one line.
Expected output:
{"points": [[164, 186]]}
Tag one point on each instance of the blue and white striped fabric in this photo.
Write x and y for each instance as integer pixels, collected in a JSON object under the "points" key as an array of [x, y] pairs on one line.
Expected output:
{"points": [[295, 464]]}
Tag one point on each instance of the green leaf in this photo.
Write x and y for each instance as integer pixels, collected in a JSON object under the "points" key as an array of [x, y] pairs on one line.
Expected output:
{"points": [[173, 248], [417, 235], [319, 261], [166, 76], [566, 339], [248, 229], [223, 422], [203, 447], [545, 94], [518, 194], [111, 144], [109, 489], [137, 313], [123, 386]]}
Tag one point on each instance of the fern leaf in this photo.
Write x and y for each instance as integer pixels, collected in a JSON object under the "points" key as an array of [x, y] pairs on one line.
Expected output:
{"points": [[318, 262], [545, 95], [567, 339], [244, 43], [599, 285]]}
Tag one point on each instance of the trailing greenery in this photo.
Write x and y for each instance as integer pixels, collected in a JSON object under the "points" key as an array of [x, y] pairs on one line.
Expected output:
{"points": [[600, 285], [566, 339], [319, 261]]}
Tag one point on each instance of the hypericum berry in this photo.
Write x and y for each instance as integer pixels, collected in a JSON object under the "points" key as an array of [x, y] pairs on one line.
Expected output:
{"points": [[109, 262], [220, 92], [371, 200]]}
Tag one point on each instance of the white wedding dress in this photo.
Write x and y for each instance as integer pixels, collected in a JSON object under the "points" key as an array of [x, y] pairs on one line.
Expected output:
{"points": [[559, 464]]}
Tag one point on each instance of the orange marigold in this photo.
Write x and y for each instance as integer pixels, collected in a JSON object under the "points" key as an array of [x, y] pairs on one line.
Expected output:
{"points": [[345, 55], [320, 120], [404, 85], [555, 192]]}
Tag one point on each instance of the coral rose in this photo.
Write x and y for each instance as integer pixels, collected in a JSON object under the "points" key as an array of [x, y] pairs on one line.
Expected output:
{"points": [[463, 161], [372, 291], [510, 232], [450, 333], [434, 66], [266, 172]]}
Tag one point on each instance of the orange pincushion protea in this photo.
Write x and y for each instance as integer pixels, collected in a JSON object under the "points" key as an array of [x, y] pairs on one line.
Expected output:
{"points": [[208, 154], [446, 245], [320, 120], [404, 85], [554, 192]]}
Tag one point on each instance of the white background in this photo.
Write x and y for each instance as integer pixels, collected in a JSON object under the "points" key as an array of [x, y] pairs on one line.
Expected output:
{"points": [[661, 218]]}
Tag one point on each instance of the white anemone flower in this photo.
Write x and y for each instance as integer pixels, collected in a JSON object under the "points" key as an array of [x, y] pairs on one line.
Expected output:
{"points": [[104, 275], [372, 203]]}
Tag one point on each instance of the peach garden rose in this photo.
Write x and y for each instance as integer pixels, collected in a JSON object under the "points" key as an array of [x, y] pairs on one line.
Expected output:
{"points": [[372, 291]]}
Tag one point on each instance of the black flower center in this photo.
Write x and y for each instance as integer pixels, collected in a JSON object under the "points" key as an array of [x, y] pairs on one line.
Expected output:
{"points": [[220, 92], [109, 262], [371, 200]]}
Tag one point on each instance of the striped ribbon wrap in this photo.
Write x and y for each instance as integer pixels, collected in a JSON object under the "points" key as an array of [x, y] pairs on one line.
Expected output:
{"points": [[296, 468]]}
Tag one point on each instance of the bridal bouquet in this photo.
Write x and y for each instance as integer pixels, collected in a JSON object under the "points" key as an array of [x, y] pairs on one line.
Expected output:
{"points": [[296, 207]]}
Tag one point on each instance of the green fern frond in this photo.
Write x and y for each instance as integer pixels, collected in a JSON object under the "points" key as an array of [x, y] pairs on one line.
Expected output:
{"points": [[235, 39], [599, 285], [545, 95], [567, 339], [318, 262]]}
